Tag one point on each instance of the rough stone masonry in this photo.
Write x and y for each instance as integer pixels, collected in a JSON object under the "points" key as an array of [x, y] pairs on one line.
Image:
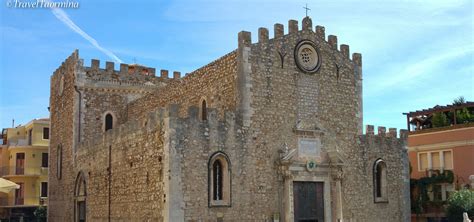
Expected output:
{"points": [[272, 131]]}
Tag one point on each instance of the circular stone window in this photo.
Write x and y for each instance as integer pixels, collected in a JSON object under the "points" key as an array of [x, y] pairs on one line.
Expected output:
{"points": [[307, 57]]}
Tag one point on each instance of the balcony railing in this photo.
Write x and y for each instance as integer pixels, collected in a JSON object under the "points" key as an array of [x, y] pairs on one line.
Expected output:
{"points": [[19, 200], [19, 142], [434, 170], [3, 201], [22, 201], [28, 171]]}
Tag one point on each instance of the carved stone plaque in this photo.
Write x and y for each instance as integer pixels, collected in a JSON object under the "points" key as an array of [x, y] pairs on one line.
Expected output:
{"points": [[309, 147]]}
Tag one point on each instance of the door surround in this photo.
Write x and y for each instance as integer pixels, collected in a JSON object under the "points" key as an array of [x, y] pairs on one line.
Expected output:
{"points": [[288, 191]]}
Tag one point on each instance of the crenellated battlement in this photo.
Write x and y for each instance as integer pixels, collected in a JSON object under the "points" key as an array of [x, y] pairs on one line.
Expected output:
{"points": [[382, 132], [69, 60], [125, 69], [244, 37], [128, 70]]}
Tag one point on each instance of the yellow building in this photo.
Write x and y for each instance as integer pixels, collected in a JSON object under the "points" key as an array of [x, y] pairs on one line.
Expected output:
{"points": [[24, 160]]}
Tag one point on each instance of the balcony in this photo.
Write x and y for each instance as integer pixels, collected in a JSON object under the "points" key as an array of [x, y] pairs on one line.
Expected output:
{"points": [[19, 142], [9, 171], [437, 171], [3, 201], [23, 201], [439, 118], [433, 171], [19, 201]]}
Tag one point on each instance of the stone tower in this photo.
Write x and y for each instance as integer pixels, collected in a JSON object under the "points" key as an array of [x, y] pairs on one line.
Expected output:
{"points": [[81, 98]]}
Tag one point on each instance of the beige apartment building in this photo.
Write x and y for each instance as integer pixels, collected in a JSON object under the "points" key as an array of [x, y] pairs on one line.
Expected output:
{"points": [[24, 160]]}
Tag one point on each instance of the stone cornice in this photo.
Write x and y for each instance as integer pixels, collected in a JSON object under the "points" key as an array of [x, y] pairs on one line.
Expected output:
{"points": [[437, 146]]}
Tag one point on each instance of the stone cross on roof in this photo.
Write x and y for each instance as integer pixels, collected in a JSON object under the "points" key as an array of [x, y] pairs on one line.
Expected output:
{"points": [[307, 9]]}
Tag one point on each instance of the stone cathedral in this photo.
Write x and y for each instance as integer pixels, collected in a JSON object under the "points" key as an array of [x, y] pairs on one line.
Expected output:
{"points": [[271, 131]]}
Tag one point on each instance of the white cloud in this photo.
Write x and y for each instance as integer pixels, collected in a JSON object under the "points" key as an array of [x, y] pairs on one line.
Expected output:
{"points": [[63, 17]]}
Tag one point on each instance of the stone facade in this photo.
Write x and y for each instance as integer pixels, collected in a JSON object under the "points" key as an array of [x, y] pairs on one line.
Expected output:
{"points": [[279, 113]]}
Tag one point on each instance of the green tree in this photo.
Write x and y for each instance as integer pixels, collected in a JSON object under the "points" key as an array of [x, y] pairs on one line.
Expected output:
{"points": [[439, 120], [463, 116], [461, 201], [459, 101]]}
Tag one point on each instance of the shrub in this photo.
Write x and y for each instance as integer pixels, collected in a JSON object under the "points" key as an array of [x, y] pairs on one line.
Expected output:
{"points": [[439, 120], [463, 116], [40, 214], [461, 201]]}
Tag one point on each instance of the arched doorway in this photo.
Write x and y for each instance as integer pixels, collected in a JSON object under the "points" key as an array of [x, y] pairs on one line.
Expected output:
{"points": [[80, 194]]}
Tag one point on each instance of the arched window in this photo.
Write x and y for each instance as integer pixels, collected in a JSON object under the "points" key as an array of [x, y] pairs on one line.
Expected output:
{"points": [[80, 194], [380, 181], [203, 110], [109, 121], [59, 161], [219, 180]]}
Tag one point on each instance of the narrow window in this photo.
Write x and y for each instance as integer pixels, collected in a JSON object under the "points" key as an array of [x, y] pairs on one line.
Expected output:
{"points": [[44, 160], [61, 85], [46, 133], [217, 169], [20, 164], [80, 198], [59, 161], [437, 192], [81, 208], [422, 161], [30, 137], [380, 181], [109, 121], [435, 161], [44, 189], [448, 160], [20, 194], [203, 110], [219, 180]]}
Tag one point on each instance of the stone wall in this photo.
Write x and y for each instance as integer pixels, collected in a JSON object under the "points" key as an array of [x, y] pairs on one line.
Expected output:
{"points": [[358, 182], [214, 82], [124, 172], [197, 141]]}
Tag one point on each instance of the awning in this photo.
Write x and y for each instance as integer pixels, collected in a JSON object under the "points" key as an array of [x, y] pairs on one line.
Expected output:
{"points": [[6, 186]]}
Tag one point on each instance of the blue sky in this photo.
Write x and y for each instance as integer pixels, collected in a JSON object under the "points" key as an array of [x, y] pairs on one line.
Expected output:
{"points": [[416, 54]]}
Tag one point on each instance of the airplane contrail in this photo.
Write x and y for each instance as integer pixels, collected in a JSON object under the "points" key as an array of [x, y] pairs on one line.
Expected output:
{"points": [[63, 17]]}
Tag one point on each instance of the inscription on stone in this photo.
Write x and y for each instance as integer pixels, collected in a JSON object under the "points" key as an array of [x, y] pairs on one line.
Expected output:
{"points": [[309, 147]]}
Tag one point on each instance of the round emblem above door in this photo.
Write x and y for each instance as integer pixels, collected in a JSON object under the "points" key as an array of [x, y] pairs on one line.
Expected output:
{"points": [[310, 165], [307, 56]]}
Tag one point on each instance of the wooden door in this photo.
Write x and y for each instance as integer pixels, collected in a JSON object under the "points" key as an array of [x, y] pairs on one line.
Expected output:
{"points": [[308, 201]]}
